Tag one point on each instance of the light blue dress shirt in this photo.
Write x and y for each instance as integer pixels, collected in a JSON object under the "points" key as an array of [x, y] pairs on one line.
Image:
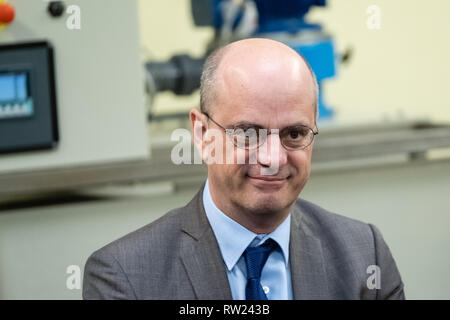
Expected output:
{"points": [[233, 239]]}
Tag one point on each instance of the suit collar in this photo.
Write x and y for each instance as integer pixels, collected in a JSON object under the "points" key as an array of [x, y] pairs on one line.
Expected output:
{"points": [[194, 221], [308, 273], [201, 255]]}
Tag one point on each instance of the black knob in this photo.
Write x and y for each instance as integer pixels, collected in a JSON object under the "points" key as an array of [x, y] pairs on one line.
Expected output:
{"points": [[56, 8]]}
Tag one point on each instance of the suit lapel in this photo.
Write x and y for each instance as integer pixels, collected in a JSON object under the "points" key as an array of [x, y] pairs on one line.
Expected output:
{"points": [[308, 275], [201, 255]]}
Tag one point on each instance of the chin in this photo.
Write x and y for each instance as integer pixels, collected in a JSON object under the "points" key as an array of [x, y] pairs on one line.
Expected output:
{"points": [[267, 203]]}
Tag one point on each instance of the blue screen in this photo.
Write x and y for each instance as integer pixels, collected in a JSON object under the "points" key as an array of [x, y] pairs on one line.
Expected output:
{"points": [[13, 87]]}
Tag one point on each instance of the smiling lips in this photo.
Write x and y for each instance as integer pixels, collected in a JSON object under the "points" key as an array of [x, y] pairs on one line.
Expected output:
{"points": [[268, 178], [268, 183]]}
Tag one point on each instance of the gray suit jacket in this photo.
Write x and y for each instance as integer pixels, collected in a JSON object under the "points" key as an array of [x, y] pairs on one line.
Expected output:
{"points": [[177, 257]]}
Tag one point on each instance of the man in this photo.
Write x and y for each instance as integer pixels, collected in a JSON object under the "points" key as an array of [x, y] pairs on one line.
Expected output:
{"points": [[245, 235]]}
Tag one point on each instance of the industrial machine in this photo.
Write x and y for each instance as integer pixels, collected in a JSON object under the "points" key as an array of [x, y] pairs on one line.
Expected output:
{"points": [[71, 86], [282, 20]]}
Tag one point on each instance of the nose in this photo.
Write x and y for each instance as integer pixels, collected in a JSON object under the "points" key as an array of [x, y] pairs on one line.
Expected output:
{"points": [[272, 153]]}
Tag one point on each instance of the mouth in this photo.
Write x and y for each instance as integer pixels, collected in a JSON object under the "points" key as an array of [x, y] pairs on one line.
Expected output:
{"points": [[268, 178], [267, 181]]}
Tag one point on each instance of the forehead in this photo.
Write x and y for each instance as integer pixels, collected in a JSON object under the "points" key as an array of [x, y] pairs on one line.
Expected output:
{"points": [[271, 117], [266, 103], [265, 90]]}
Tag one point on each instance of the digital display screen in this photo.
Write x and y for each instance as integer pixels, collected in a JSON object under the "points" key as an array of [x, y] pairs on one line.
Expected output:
{"points": [[15, 100], [28, 118], [13, 87]]}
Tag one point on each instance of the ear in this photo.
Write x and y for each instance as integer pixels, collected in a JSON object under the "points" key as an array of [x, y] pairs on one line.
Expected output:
{"points": [[198, 129]]}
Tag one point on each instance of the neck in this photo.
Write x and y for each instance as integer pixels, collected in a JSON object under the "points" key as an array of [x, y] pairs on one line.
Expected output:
{"points": [[260, 221]]}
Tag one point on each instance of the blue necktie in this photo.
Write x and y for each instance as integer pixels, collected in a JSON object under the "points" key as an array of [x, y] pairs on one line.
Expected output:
{"points": [[255, 258]]}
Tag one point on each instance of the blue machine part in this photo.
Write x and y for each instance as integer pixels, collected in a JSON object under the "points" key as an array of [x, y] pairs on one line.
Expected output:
{"points": [[320, 56], [273, 15], [278, 17], [285, 15]]}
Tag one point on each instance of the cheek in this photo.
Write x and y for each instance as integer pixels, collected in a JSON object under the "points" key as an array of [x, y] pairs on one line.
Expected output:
{"points": [[230, 175], [301, 161], [234, 155]]}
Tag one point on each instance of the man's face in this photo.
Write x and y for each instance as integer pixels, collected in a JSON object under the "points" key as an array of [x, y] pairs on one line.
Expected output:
{"points": [[271, 102]]}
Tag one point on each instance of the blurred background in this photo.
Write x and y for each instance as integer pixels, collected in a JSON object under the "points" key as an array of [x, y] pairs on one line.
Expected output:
{"points": [[91, 91]]}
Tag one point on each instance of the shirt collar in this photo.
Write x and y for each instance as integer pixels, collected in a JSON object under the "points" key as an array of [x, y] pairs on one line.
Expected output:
{"points": [[232, 247]]}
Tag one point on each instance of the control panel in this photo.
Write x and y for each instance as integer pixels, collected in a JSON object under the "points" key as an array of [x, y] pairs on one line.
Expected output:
{"points": [[72, 91], [28, 117]]}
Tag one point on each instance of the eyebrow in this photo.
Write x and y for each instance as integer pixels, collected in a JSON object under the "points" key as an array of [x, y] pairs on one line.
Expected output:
{"points": [[251, 124], [246, 124]]}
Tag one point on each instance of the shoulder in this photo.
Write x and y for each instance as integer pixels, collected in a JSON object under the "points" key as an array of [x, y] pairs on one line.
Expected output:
{"points": [[342, 238], [147, 239], [323, 222], [124, 268], [151, 243], [350, 248]]}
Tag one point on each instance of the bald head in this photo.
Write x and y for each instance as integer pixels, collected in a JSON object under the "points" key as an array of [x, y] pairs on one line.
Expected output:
{"points": [[254, 64]]}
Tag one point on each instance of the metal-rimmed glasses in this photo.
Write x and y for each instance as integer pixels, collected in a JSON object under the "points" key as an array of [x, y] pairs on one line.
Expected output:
{"points": [[250, 136]]}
